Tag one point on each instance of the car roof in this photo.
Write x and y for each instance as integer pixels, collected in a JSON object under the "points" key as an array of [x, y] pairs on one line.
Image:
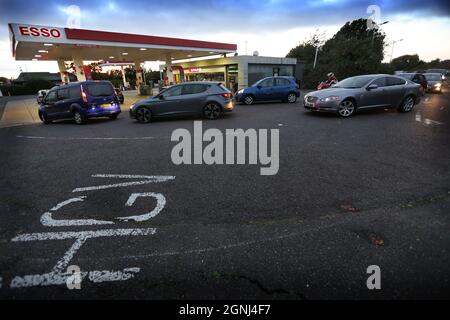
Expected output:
{"points": [[433, 73], [199, 82]]}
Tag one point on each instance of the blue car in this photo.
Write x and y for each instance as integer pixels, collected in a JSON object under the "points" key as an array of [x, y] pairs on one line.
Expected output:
{"points": [[270, 89], [80, 101]]}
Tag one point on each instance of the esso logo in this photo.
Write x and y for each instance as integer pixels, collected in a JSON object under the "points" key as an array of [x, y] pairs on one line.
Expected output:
{"points": [[39, 32]]}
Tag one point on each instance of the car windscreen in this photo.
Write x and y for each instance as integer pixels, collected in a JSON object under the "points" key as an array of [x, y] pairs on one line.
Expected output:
{"points": [[100, 89], [433, 77], [354, 82]]}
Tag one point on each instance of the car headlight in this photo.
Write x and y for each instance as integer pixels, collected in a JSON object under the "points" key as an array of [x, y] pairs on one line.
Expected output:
{"points": [[331, 98], [132, 106], [241, 91]]}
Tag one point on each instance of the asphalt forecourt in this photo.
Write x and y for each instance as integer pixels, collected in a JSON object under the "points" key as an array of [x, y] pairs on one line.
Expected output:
{"points": [[101, 210]]}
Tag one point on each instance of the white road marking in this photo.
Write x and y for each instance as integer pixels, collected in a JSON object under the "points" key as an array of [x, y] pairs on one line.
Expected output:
{"points": [[148, 180], [54, 278], [57, 276], [48, 221], [426, 121], [1, 282], [88, 138], [161, 202], [42, 236], [68, 201], [131, 176]]}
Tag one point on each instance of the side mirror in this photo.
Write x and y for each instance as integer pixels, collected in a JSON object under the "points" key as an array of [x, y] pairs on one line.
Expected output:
{"points": [[259, 87], [161, 97], [373, 86]]}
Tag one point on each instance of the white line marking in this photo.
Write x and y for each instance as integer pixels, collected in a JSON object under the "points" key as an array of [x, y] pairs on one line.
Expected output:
{"points": [[57, 275], [161, 202], [426, 121], [48, 221], [149, 179], [42, 236], [54, 278], [62, 264], [1, 282], [87, 138], [68, 201], [131, 176]]}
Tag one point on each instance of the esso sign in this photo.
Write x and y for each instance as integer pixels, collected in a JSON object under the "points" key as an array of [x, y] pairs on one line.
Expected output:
{"points": [[44, 32]]}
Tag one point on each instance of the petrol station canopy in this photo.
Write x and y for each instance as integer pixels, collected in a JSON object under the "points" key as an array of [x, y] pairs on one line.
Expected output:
{"points": [[43, 43]]}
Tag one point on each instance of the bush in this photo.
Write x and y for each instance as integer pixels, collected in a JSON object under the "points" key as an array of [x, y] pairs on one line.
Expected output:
{"points": [[28, 88]]}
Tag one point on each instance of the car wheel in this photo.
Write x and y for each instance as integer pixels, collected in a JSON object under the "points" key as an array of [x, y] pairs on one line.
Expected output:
{"points": [[248, 100], [211, 111], [44, 119], [346, 108], [292, 97], [79, 119], [113, 117], [407, 104], [143, 115]]}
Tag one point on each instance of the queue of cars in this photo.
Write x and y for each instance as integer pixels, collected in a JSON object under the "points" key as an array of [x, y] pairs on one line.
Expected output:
{"points": [[90, 99]]}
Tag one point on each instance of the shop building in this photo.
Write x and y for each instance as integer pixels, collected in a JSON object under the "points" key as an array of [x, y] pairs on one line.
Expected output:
{"points": [[236, 72]]}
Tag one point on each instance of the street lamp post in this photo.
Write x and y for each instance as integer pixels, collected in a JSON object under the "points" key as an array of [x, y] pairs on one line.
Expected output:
{"points": [[392, 52], [315, 57], [378, 26]]}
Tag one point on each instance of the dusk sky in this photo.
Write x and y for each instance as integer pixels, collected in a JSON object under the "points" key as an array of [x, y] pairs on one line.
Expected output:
{"points": [[270, 27]]}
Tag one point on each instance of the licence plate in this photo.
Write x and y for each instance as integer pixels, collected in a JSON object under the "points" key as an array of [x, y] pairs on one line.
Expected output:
{"points": [[105, 105]]}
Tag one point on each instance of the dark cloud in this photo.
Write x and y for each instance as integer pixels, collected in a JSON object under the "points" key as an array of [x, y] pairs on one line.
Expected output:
{"points": [[181, 17]]}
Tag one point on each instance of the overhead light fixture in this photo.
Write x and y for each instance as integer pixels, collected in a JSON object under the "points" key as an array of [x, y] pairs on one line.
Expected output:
{"points": [[34, 60], [48, 44], [37, 56], [189, 55], [111, 57], [142, 49], [124, 53], [211, 52], [43, 51]]}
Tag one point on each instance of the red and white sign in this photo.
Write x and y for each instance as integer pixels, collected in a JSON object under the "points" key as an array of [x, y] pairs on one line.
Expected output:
{"points": [[195, 69], [26, 32]]}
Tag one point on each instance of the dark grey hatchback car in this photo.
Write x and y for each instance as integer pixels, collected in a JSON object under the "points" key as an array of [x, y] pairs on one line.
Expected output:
{"points": [[209, 99]]}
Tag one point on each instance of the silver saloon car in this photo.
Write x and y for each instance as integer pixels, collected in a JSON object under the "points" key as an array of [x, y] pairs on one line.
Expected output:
{"points": [[209, 99], [365, 92]]}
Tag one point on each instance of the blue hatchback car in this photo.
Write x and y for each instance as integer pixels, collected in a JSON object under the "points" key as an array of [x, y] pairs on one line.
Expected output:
{"points": [[80, 101], [270, 89]]}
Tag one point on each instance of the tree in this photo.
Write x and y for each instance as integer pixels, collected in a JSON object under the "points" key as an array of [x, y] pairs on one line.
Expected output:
{"points": [[355, 49], [407, 62]]}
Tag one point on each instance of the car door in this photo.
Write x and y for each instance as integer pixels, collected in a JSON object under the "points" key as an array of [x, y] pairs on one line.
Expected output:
{"points": [[192, 98], [49, 104], [169, 101], [281, 88], [396, 89], [62, 105], [265, 90], [374, 98]]}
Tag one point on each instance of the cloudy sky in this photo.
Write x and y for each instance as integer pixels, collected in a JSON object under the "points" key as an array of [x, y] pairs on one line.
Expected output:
{"points": [[271, 27]]}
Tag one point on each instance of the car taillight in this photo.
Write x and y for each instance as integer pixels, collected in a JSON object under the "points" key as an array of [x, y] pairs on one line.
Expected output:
{"points": [[227, 95]]}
